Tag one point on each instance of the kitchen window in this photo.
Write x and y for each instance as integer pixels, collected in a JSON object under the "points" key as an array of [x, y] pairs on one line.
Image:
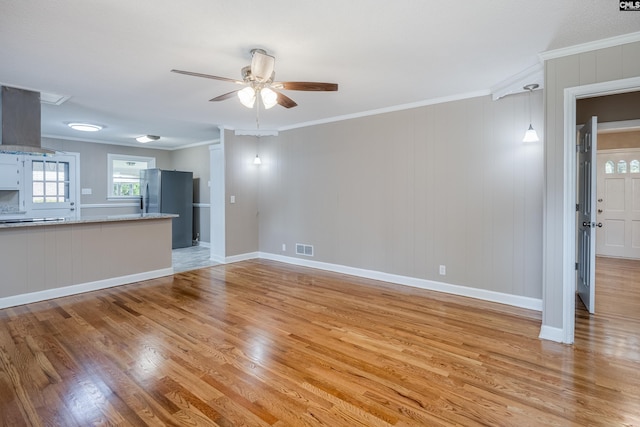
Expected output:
{"points": [[124, 174]]}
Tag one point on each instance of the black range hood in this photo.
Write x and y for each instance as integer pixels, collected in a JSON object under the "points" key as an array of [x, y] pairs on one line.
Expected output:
{"points": [[21, 121]]}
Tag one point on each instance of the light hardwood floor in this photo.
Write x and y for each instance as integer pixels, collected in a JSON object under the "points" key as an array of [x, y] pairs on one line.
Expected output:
{"points": [[259, 343]]}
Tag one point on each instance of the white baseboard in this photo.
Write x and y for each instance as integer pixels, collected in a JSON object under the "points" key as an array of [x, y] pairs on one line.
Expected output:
{"points": [[203, 244], [235, 258], [82, 287], [217, 259], [241, 257], [552, 334], [465, 291]]}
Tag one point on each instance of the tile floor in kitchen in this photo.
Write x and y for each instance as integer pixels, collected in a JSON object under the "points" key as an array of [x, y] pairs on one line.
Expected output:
{"points": [[191, 258]]}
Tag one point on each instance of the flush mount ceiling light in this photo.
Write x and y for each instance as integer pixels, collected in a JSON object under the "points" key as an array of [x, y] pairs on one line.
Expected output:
{"points": [[530, 135], [147, 138], [85, 127]]}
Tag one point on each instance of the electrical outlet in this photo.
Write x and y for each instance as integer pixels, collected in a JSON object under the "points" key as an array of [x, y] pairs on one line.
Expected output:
{"points": [[443, 270], [284, 247]]}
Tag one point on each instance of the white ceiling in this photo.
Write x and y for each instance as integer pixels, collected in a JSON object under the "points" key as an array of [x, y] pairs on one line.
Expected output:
{"points": [[112, 57]]}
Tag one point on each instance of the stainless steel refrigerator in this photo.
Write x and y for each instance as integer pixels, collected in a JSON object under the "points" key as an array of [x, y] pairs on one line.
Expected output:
{"points": [[165, 191]]}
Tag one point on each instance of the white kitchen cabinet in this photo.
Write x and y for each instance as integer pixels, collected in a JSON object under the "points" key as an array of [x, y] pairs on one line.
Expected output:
{"points": [[10, 172], [11, 185]]}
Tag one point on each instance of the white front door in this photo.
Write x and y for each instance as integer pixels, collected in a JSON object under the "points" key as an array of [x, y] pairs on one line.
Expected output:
{"points": [[619, 203], [586, 256]]}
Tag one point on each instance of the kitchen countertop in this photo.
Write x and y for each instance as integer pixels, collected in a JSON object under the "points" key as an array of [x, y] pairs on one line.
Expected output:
{"points": [[88, 219]]}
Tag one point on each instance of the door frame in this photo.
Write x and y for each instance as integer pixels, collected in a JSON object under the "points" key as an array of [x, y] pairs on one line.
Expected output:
{"points": [[217, 225], [571, 95]]}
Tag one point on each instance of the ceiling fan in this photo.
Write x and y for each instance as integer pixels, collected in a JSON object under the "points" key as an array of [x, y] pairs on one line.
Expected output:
{"points": [[258, 78]]}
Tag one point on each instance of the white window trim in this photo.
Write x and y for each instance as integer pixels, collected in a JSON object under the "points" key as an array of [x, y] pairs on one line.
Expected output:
{"points": [[125, 157]]}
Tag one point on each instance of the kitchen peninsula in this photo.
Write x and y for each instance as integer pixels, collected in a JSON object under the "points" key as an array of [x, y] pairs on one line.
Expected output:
{"points": [[49, 259]]}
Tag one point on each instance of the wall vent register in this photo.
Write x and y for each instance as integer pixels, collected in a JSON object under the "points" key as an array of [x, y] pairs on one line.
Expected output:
{"points": [[302, 249]]}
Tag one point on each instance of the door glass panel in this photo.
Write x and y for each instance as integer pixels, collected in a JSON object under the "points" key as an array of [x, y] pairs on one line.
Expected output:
{"points": [[622, 166], [50, 181], [634, 166], [608, 167]]}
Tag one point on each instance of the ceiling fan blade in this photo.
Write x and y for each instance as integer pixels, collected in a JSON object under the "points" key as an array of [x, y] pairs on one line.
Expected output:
{"points": [[262, 66], [207, 76], [285, 101], [225, 96], [309, 86]]}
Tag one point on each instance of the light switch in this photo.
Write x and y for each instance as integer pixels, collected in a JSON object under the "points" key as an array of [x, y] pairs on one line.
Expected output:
{"points": [[232, 199], [86, 191]]}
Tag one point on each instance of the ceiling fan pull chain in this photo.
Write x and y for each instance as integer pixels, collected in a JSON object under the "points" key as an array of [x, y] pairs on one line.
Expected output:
{"points": [[257, 115]]}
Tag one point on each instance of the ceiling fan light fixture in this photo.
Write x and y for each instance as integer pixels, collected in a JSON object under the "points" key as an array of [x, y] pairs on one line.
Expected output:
{"points": [[247, 96], [260, 77], [147, 138], [269, 97]]}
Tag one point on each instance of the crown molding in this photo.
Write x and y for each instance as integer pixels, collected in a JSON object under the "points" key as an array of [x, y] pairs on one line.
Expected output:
{"points": [[590, 46], [255, 132], [130, 144], [401, 107]]}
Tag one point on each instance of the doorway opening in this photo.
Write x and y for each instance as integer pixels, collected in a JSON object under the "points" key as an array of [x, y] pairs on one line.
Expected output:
{"points": [[571, 97], [614, 202]]}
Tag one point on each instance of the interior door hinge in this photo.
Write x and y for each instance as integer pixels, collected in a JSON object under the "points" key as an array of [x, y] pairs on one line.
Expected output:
{"points": [[576, 266], [577, 207]]}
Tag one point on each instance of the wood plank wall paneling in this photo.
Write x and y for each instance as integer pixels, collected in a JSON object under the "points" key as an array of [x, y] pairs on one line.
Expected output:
{"points": [[261, 343], [405, 192]]}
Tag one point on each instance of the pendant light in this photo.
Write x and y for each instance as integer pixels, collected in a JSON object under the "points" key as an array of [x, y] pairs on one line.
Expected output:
{"points": [[530, 135]]}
